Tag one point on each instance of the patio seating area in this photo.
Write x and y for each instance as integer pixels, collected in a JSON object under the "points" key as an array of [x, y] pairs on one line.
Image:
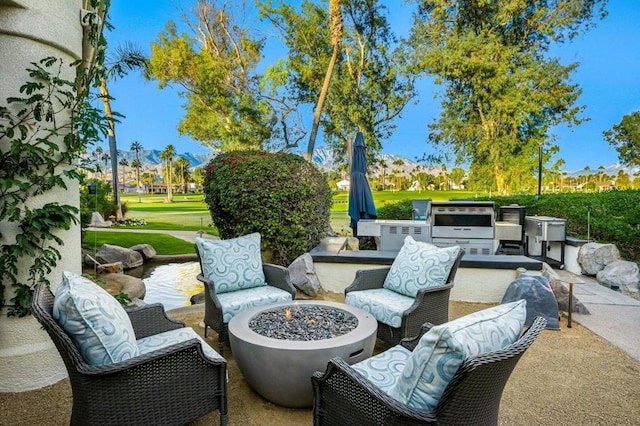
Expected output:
{"points": [[571, 376]]}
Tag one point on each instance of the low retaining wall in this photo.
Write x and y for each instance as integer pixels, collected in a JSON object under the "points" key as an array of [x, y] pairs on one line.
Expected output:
{"points": [[481, 279]]}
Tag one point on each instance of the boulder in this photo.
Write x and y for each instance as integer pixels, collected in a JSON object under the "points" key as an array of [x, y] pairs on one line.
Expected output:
{"points": [[110, 268], [535, 289], [132, 286], [303, 275], [620, 274], [561, 291], [352, 244], [197, 299], [112, 254], [593, 257], [90, 261], [146, 250]]}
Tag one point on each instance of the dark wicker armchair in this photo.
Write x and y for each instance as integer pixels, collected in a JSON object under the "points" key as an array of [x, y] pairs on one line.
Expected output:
{"points": [[275, 275], [342, 396], [171, 386], [431, 305]]}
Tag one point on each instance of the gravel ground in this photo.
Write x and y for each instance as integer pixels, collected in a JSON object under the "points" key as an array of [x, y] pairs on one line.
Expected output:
{"points": [[567, 377]]}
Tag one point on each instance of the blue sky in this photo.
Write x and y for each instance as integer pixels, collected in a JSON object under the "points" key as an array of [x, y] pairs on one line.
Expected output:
{"points": [[608, 72]]}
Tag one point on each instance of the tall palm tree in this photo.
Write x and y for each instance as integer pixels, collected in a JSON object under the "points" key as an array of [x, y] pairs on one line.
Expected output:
{"points": [[125, 59], [137, 148], [124, 163], [105, 157], [167, 155], [337, 29], [182, 171], [135, 165]]}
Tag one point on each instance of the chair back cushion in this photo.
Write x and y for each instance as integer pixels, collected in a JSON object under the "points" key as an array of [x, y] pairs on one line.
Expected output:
{"points": [[233, 264], [96, 322], [420, 265], [441, 351]]}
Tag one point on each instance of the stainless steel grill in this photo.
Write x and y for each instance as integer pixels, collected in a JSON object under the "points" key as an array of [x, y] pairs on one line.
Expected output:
{"points": [[469, 224], [540, 232]]}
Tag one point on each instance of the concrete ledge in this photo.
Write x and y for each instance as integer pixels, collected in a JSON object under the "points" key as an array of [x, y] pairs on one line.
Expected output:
{"points": [[374, 257], [575, 242]]}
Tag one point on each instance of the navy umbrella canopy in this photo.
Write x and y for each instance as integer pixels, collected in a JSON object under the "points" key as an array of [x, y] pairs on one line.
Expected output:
{"points": [[360, 199]]}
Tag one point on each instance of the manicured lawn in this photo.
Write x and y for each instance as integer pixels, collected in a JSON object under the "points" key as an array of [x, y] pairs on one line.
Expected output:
{"points": [[163, 244], [189, 212]]}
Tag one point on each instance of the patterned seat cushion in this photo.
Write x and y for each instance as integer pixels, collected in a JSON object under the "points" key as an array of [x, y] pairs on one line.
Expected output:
{"points": [[168, 338], [237, 301], [384, 369], [441, 351], [233, 264], [96, 322], [386, 306], [420, 265]]}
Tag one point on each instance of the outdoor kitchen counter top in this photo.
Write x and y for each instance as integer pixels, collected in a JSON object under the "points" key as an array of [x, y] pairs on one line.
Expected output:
{"points": [[332, 250]]}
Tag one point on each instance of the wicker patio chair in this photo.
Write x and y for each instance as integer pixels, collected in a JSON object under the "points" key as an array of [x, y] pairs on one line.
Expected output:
{"points": [[278, 289], [431, 305], [343, 396], [170, 386]]}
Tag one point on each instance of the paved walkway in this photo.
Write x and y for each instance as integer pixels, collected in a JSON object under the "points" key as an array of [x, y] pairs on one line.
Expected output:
{"points": [[613, 316]]}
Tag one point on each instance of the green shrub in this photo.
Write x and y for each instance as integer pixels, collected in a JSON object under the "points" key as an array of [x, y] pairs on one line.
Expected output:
{"points": [[281, 196], [401, 210], [101, 200]]}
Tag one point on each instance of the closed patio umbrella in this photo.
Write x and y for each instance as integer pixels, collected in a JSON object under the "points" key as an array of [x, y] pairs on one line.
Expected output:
{"points": [[360, 199]]}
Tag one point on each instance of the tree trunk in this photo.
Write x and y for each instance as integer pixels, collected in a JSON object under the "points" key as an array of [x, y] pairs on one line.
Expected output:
{"points": [[336, 39], [113, 147]]}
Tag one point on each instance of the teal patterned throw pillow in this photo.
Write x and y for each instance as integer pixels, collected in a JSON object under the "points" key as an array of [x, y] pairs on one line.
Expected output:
{"points": [[420, 265], [96, 322], [441, 351], [233, 264]]}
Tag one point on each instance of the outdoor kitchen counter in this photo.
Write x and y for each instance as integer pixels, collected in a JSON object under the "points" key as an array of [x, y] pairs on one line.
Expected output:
{"points": [[331, 250]]}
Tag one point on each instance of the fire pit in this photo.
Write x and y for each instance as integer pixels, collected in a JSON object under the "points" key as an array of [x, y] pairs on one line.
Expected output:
{"points": [[279, 367]]}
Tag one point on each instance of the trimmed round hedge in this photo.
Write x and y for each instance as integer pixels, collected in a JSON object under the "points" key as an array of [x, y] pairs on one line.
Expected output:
{"points": [[280, 195]]}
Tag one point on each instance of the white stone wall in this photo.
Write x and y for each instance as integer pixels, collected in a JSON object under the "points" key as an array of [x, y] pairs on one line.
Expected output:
{"points": [[31, 30]]}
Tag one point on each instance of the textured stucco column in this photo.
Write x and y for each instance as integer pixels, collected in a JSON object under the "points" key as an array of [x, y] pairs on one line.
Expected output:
{"points": [[31, 30]]}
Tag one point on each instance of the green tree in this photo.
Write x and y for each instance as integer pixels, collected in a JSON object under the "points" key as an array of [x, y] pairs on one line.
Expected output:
{"points": [[625, 138], [457, 176], [369, 85], [167, 155], [215, 68], [502, 92], [182, 172], [149, 178]]}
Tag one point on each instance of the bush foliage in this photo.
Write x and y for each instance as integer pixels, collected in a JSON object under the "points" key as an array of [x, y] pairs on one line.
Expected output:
{"points": [[605, 217], [281, 196]]}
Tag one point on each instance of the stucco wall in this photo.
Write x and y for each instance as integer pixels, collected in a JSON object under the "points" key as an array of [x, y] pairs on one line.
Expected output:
{"points": [[31, 30]]}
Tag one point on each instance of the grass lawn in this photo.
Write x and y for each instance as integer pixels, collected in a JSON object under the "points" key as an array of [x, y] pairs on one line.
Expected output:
{"points": [[163, 244]]}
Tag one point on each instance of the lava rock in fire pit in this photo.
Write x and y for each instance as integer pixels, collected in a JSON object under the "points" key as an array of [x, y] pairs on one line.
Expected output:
{"points": [[303, 323]]}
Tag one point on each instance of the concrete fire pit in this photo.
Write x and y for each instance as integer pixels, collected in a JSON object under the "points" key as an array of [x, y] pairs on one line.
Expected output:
{"points": [[280, 370]]}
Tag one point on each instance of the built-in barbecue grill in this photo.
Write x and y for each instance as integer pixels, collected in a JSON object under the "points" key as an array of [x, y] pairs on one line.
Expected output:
{"points": [[469, 224]]}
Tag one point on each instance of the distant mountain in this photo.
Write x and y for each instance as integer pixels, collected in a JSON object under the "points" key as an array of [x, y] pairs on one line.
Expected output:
{"points": [[324, 158], [151, 157], [611, 170]]}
